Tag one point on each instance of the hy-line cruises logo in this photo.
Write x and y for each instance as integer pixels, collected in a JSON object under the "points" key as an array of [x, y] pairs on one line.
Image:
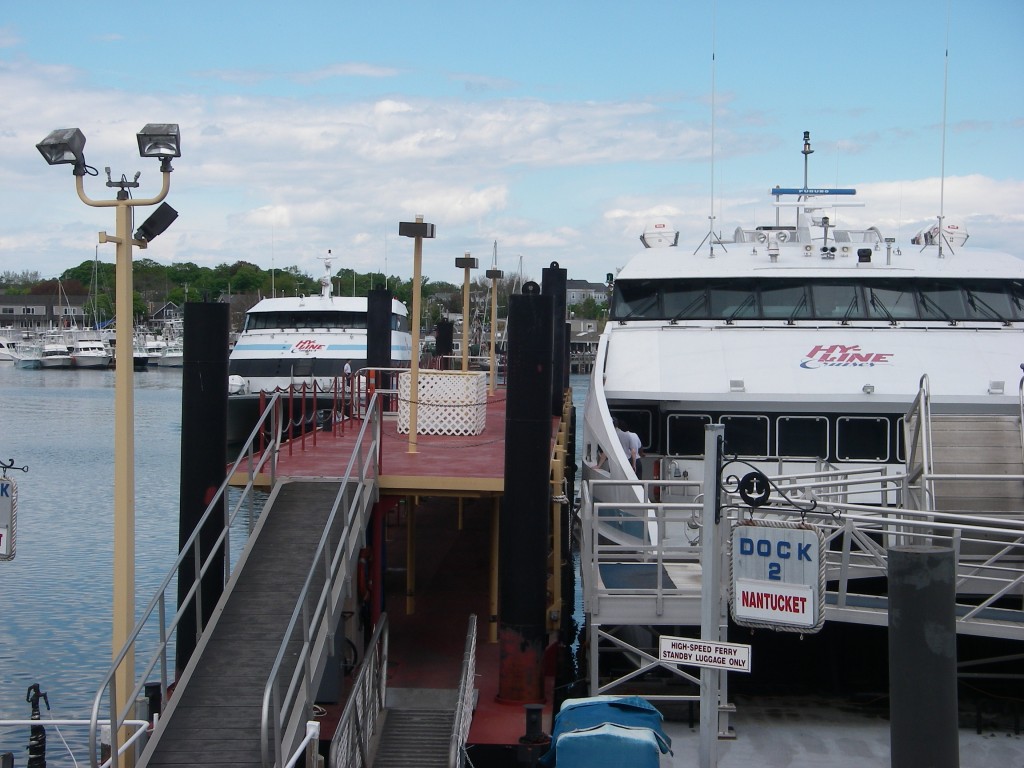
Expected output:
{"points": [[842, 355]]}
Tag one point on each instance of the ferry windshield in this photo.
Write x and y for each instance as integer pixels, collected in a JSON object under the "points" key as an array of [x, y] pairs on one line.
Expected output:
{"points": [[302, 319], [790, 299]]}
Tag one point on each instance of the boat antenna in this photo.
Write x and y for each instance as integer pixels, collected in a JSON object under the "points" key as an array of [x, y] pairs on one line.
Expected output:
{"points": [[807, 152], [942, 161], [710, 237], [711, 218]]}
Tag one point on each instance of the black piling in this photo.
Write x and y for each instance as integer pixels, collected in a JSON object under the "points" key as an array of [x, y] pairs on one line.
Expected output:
{"points": [[204, 427], [922, 658], [378, 334], [526, 505], [445, 341], [553, 280], [378, 328]]}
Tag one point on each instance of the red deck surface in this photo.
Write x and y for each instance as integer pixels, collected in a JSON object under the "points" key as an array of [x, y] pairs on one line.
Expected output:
{"points": [[452, 567], [441, 463]]}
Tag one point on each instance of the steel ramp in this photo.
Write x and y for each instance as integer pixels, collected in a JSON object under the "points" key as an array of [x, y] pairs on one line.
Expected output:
{"points": [[213, 717], [417, 728]]}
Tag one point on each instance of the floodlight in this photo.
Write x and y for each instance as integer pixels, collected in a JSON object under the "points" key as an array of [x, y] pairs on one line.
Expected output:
{"points": [[159, 140], [65, 145], [155, 225]]}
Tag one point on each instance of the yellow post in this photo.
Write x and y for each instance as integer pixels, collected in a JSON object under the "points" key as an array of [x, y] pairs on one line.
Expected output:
{"points": [[123, 617], [492, 623], [410, 558], [414, 373], [465, 316]]}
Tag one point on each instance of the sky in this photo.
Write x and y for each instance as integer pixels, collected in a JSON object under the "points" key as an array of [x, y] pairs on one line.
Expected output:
{"points": [[541, 131]]}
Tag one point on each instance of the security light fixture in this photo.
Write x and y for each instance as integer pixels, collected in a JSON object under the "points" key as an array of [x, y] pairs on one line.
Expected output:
{"points": [[466, 262], [868, 389], [159, 140], [155, 225], [64, 145]]}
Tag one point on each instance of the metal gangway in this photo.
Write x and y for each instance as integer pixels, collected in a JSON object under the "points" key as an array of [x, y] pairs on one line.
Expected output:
{"points": [[246, 694], [641, 561]]}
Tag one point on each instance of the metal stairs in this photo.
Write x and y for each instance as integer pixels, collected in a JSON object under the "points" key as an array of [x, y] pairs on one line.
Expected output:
{"points": [[416, 728]]}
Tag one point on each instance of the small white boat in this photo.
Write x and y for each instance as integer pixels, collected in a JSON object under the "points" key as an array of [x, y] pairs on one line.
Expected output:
{"points": [[89, 351], [173, 355], [54, 353]]}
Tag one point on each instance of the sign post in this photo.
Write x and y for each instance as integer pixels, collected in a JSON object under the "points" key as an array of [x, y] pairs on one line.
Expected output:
{"points": [[8, 517]]}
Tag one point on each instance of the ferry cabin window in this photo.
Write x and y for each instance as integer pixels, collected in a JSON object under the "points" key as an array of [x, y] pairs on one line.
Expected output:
{"points": [[839, 299], [785, 301], [860, 438], [686, 434], [746, 435], [272, 320], [802, 437]]}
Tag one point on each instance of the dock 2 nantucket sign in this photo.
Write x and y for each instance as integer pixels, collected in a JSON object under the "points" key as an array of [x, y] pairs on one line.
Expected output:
{"points": [[778, 581]]}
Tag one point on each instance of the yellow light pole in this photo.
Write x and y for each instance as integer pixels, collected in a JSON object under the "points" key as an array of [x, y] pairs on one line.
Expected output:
{"points": [[467, 263], [416, 230], [66, 146]]}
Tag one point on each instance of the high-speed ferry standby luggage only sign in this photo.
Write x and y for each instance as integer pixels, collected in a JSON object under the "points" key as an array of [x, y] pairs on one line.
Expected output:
{"points": [[777, 578]]}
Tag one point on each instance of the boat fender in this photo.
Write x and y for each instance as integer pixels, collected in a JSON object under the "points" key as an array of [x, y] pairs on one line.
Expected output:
{"points": [[656, 475]]}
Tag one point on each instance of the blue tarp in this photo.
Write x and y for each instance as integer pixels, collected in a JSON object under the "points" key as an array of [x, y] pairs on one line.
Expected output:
{"points": [[582, 716]]}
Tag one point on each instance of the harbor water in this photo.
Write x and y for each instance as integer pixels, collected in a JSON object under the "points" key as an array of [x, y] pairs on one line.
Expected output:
{"points": [[56, 594]]}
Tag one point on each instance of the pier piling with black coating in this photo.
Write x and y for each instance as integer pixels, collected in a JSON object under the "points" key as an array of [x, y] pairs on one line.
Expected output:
{"points": [[378, 328], [525, 513], [553, 281], [204, 429], [922, 658]]}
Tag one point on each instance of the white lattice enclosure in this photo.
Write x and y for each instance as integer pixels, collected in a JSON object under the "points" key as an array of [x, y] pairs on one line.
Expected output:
{"points": [[449, 402]]}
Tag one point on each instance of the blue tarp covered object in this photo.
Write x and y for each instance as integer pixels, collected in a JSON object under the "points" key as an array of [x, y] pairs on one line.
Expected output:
{"points": [[638, 729]]}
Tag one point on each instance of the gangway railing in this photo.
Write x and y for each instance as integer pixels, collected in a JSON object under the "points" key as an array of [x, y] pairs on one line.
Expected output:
{"points": [[361, 716], [252, 462], [291, 686], [989, 554], [466, 700]]}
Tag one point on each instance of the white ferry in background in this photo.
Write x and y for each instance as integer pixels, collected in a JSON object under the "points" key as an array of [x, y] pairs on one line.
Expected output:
{"points": [[300, 340], [808, 341]]}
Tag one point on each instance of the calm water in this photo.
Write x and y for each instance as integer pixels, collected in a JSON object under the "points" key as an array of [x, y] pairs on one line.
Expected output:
{"points": [[56, 595]]}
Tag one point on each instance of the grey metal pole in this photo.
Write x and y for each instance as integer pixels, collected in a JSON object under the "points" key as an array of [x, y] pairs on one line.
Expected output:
{"points": [[922, 658], [711, 586]]}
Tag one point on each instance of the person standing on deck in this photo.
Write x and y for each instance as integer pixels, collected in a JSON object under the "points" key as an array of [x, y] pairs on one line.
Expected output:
{"points": [[630, 444]]}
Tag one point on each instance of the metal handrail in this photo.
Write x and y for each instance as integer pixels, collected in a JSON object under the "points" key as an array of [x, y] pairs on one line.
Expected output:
{"points": [[465, 703], [140, 726], [989, 550], [158, 605], [314, 622], [361, 715]]}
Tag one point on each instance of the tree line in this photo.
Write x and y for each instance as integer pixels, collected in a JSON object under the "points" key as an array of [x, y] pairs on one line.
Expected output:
{"points": [[243, 284]]}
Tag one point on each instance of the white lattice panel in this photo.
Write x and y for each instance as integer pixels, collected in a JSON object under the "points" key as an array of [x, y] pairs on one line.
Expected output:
{"points": [[449, 402]]}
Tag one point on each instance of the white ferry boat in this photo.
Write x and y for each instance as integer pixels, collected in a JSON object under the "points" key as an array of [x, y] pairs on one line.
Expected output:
{"points": [[806, 340], [291, 341]]}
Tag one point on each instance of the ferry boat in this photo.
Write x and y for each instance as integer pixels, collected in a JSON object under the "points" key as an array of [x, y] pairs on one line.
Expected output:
{"points": [[807, 340], [290, 341]]}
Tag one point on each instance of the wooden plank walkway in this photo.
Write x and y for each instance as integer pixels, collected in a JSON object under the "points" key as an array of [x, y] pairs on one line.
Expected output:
{"points": [[214, 715]]}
